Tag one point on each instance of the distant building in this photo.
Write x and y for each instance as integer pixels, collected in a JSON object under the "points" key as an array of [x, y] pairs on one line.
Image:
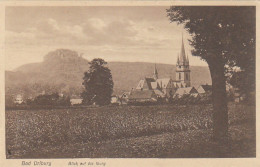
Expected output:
{"points": [[18, 99], [124, 97], [114, 99], [183, 91], [142, 96], [75, 100]]}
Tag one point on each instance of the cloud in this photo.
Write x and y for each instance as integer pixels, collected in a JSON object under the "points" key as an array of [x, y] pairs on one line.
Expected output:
{"points": [[92, 32], [116, 33], [54, 24], [97, 23]]}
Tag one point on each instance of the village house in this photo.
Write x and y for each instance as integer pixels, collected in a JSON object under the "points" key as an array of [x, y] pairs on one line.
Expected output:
{"points": [[75, 100], [18, 99], [114, 100], [124, 97], [143, 96]]}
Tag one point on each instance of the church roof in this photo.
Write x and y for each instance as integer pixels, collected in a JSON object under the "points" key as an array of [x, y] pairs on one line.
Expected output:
{"points": [[145, 83], [177, 84], [148, 82], [163, 82], [154, 85], [140, 84]]}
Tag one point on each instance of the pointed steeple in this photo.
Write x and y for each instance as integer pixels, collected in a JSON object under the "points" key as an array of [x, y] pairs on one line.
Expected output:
{"points": [[182, 55], [155, 74], [182, 68]]}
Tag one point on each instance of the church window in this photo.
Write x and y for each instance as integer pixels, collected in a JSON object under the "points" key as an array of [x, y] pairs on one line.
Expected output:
{"points": [[179, 75], [187, 76]]}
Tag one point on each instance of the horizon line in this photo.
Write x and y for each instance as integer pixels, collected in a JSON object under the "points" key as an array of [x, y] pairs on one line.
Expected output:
{"points": [[110, 62]]}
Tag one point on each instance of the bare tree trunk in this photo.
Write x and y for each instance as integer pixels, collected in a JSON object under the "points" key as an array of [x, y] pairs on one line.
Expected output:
{"points": [[219, 99]]}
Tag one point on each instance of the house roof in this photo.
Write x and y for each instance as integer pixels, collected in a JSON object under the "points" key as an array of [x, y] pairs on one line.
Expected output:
{"points": [[144, 94], [206, 87], [145, 83], [125, 93], [140, 84], [187, 90]]}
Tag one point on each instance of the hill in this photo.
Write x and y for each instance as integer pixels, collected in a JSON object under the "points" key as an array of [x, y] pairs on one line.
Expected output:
{"points": [[62, 70]]}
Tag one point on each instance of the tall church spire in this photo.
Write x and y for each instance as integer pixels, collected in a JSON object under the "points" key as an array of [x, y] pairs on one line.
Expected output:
{"points": [[182, 67], [182, 55]]}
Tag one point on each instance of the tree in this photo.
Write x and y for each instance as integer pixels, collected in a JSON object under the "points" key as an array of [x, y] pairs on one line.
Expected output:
{"points": [[225, 38], [98, 83]]}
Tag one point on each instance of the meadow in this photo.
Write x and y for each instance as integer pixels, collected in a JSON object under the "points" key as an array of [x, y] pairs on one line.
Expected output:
{"points": [[162, 131]]}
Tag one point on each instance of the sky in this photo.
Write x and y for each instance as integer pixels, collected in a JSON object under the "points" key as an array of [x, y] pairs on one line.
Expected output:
{"points": [[128, 34]]}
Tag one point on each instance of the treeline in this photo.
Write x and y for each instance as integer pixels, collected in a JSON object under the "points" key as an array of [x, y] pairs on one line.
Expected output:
{"points": [[34, 89], [42, 101]]}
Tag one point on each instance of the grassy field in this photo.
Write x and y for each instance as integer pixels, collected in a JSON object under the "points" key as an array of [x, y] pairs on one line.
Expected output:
{"points": [[127, 131]]}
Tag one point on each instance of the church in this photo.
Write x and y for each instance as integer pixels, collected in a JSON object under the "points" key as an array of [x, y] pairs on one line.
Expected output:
{"points": [[152, 88]]}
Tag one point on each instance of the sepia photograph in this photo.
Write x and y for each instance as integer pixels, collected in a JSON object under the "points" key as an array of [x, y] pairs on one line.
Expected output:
{"points": [[130, 82]]}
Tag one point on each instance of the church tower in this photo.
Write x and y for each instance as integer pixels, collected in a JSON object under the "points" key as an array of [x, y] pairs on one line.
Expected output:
{"points": [[183, 68]]}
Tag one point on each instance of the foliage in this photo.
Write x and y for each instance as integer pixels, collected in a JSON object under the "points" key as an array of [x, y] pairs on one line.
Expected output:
{"points": [[244, 81], [225, 38], [49, 100], [9, 100], [98, 83]]}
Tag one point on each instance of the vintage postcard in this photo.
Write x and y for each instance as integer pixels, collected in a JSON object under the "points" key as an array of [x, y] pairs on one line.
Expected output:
{"points": [[129, 83]]}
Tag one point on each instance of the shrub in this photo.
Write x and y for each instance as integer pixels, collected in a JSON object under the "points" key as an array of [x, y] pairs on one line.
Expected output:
{"points": [[50, 100]]}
